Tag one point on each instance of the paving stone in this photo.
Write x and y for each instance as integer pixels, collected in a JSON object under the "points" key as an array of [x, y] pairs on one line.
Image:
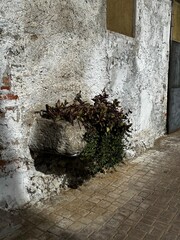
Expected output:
{"points": [[45, 225], [33, 233], [136, 233], [36, 219], [140, 200], [92, 216], [99, 236], [75, 217], [147, 219], [135, 216], [77, 226], [156, 233], [98, 210], [144, 227], [78, 236], [54, 218], [64, 213], [113, 208], [125, 212], [120, 236], [113, 223], [48, 236], [104, 204], [64, 223], [169, 236], [87, 231]]}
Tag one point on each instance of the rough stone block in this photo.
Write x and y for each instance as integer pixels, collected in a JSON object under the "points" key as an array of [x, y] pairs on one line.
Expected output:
{"points": [[57, 137]]}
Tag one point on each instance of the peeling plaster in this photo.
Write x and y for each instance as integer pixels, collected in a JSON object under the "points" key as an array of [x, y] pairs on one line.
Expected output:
{"points": [[52, 49]]}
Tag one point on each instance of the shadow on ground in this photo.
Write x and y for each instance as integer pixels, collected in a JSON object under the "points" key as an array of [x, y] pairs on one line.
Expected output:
{"points": [[76, 171], [27, 225]]}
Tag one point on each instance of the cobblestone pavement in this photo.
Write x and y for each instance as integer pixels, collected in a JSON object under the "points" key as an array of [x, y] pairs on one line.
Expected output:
{"points": [[140, 200]]}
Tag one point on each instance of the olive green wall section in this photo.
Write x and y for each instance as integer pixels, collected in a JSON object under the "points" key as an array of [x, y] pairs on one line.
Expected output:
{"points": [[121, 16], [176, 22]]}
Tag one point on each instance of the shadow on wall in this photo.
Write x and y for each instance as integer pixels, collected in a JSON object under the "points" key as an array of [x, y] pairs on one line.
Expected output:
{"points": [[55, 147], [12, 182], [12, 174], [66, 54], [12, 177]]}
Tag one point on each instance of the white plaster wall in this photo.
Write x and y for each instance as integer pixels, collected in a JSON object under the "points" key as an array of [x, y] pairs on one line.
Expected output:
{"points": [[52, 49], [139, 71]]}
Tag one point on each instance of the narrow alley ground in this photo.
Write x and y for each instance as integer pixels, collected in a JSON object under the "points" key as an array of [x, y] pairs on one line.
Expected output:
{"points": [[140, 200]]}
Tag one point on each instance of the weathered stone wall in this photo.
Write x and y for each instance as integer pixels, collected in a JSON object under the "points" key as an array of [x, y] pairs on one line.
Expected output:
{"points": [[50, 50], [138, 69]]}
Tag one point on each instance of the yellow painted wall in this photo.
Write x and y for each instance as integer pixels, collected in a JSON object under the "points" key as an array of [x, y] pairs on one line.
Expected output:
{"points": [[120, 16]]}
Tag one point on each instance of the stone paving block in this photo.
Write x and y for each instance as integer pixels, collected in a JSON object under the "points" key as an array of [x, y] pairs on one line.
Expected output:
{"points": [[150, 237], [144, 227], [100, 235], [53, 217], [130, 206], [78, 236], [92, 216], [85, 220], [88, 205], [156, 233], [145, 205], [98, 210], [14, 236], [118, 216], [75, 217], [176, 219], [36, 219], [125, 212], [94, 199], [136, 233], [77, 226], [161, 226], [154, 211], [169, 236], [55, 230], [147, 219], [45, 225], [113, 223], [87, 231], [119, 202], [119, 236], [140, 200], [64, 213], [174, 227], [64, 223], [33, 233], [112, 208], [82, 212], [137, 199], [48, 236], [124, 227]]}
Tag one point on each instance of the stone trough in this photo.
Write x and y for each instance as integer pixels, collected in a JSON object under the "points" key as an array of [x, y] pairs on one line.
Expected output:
{"points": [[57, 137]]}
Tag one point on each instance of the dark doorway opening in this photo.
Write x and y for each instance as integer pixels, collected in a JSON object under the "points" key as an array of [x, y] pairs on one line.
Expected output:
{"points": [[174, 71]]}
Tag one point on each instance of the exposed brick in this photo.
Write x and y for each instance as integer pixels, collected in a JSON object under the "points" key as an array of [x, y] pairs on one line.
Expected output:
{"points": [[6, 88], [8, 96], [10, 108]]}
